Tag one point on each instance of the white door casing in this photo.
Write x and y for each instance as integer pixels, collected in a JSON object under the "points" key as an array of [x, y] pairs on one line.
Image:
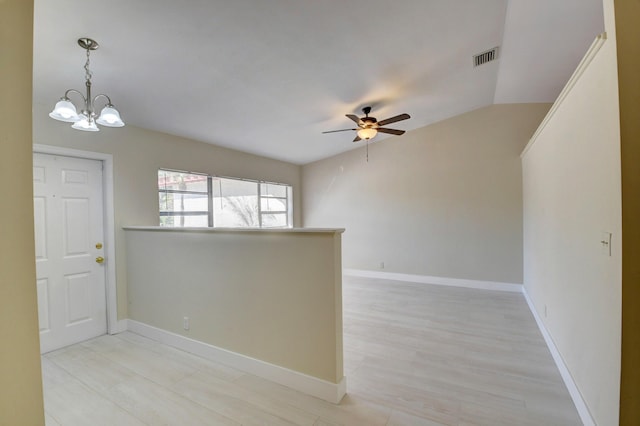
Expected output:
{"points": [[68, 220]]}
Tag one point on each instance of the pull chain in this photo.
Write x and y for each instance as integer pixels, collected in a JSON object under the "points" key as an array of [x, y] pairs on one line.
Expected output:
{"points": [[367, 150]]}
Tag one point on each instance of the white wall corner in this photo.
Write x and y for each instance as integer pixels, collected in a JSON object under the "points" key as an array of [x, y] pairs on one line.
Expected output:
{"points": [[576, 396], [313, 386], [119, 326], [425, 279]]}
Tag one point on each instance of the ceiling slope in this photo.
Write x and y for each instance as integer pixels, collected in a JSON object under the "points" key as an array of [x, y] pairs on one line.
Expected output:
{"points": [[544, 41], [269, 77]]}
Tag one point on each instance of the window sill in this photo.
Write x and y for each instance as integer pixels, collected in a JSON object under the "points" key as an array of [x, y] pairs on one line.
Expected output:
{"points": [[227, 230]]}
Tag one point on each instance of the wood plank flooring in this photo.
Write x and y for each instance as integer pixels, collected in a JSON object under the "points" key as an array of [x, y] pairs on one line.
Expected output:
{"points": [[415, 354]]}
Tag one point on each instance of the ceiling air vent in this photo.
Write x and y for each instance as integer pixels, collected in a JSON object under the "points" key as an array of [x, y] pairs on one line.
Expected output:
{"points": [[484, 57]]}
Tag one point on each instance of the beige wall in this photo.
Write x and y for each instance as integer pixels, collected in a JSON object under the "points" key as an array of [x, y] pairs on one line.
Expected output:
{"points": [[272, 296], [571, 195], [627, 16], [137, 155], [444, 200], [20, 379]]}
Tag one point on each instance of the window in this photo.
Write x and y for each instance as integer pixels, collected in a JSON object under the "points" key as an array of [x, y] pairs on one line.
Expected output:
{"points": [[198, 200], [184, 199]]}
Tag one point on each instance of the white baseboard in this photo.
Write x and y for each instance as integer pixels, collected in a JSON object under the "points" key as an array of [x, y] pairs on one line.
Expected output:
{"points": [[120, 326], [425, 279], [309, 385], [579, 402]]}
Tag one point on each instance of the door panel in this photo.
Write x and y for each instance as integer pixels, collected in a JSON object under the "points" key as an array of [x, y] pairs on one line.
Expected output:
{"points": [[78, 298], [40, 219], [43, 304], [68, 224], [76, 227]]}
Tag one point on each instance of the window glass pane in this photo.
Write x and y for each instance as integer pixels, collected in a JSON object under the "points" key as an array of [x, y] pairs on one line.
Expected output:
{"points": [[182, 221], [179, 202], [235, 203], [271, 220], [178, 181], [273, 190], [273, 205]]}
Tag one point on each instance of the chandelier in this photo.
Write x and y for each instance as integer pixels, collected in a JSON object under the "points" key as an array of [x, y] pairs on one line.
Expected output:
{"points": [[66, 111]]}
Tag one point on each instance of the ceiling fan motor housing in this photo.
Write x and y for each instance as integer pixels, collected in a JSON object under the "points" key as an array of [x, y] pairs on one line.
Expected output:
{"points": [[369, 121]]}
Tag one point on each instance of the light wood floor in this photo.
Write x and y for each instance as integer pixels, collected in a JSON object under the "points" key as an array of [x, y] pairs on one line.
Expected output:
{"points": [[415, 354]]}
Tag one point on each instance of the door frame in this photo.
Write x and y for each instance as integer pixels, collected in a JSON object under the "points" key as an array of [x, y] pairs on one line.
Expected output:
{"points": [[113, 325]]}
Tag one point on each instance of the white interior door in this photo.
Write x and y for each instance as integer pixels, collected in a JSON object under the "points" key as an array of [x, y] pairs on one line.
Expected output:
{"points": [[69, 234]]}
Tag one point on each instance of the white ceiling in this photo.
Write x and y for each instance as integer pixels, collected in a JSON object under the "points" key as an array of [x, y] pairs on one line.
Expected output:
{"points": [[267, 77]]}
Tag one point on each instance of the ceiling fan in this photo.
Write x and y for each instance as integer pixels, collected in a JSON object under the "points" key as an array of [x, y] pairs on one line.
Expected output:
{"points": [[368, 127]]}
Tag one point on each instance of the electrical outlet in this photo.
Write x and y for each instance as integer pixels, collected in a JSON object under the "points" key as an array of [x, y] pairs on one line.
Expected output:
{"points": [[185, 323]]}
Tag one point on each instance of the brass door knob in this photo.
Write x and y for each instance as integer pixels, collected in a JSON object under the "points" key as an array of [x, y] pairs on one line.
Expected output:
{"points": [[99, 259]]}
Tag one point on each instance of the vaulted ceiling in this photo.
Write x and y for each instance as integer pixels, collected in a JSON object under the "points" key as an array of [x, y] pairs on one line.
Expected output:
{"points": [[267, 77]]}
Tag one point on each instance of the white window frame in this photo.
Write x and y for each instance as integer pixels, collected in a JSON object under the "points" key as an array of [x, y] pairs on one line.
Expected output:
{"points": [[287, 200]]}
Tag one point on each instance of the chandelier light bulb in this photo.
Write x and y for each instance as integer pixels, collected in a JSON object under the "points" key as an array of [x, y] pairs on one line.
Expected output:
{"points": [[65, 110], [86, 124], [110, 117]]}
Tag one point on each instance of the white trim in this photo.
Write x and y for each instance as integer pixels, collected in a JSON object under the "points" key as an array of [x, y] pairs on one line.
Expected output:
{"points": [[425, 279], [582, 67], [109, 223], [309, 385], [122, 325], [579, 402]]}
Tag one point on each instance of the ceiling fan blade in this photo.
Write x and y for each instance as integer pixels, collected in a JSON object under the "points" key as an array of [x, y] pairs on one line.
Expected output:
{"points": [[394, 119], [390, 131], [357, 139], [354, 118], [343, 130]]}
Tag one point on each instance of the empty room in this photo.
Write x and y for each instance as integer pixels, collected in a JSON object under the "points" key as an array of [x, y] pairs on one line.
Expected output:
{"points": [[301, 213]]}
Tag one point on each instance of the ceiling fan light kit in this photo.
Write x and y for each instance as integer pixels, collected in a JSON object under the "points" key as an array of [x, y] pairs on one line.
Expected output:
{"points": [[66, 111], [367, 133]]}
